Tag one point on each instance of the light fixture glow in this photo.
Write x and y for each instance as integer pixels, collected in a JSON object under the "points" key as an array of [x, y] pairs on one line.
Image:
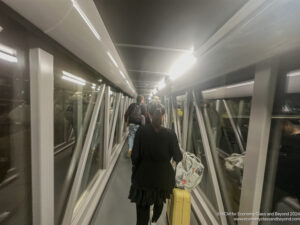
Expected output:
{"points": [[182, 65], [154, 91], [86, 20], [1, 28], [161, 84], [241, 84], [122, 74], [8, 50], [8, 58], [94, 86], [72, 78], [293, 73], [8, 54], [100, 80], [209, 91], [112, 59]]}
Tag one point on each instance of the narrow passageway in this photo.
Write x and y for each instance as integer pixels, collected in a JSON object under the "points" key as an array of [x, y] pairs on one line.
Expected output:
{"points": [[114, 207]]}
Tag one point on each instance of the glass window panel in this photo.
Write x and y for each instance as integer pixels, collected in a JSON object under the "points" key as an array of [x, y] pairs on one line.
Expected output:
{"points": [[71, 120], [206, 185], [15, 150], [95, 158], [229, 121], [286, 118]]}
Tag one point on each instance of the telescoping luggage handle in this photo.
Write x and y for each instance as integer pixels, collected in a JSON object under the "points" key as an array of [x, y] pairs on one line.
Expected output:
{"points": [[189, 172]]}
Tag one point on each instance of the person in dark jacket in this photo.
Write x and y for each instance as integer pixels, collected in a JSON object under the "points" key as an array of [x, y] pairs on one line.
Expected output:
{"points": [[153, 177], [134, 117]]}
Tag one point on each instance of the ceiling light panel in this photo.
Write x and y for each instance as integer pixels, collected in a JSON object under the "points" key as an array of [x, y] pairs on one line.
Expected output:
{"points": [[161, 84], [182, 65]]}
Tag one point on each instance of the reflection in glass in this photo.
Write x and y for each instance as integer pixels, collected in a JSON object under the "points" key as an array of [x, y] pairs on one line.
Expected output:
{"points": [[15, 183], [285, 146], [73, 106], [229, 121], [95, 158], [206, 185]]}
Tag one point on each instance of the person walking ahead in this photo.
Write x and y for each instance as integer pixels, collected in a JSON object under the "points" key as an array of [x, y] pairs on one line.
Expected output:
{"points": [[153, 177], [135, 116]]}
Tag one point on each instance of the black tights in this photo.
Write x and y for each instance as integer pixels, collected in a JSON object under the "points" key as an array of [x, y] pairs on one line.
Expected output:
{"points": [[143, 213]]}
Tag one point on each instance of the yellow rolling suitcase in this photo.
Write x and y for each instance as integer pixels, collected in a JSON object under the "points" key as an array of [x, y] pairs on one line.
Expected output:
{"points": [[179, 207]]}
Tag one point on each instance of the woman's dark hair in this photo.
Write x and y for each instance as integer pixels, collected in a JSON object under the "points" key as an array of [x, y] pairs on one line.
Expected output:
{"points": [[156, 110]]}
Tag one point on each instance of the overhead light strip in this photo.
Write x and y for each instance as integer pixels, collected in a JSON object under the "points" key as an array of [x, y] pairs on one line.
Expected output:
{"points": [[8, 50], [72, 78], [293, 73], [209, 91], [122, 74], [112, 59], [86, 19], [241, 84], [8, 58]]}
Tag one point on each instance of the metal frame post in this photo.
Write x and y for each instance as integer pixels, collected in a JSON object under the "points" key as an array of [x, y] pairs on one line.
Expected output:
{"points": [[175, 120], [190, 126], [42, 138], [258, 139], [113, 128], [106, 154], [209, 158], [185, 120], [121, 119]]}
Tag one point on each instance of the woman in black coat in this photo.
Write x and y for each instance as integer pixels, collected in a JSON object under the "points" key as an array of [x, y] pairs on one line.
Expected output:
{"points": [[153, 177]]}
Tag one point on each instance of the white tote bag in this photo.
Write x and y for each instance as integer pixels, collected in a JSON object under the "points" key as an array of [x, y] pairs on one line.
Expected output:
{"points": [[189, 172]]}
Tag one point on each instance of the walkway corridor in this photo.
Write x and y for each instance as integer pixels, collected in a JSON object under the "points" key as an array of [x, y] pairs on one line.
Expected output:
{"points": [[114, 207]]}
